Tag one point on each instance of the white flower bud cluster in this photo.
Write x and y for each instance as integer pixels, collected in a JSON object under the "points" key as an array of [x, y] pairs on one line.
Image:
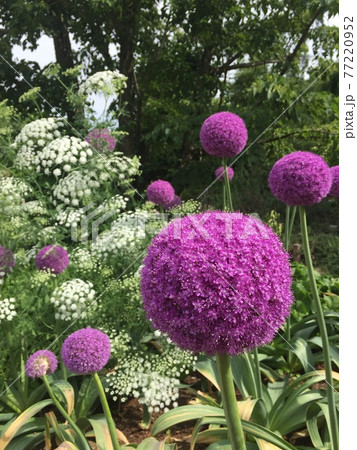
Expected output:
{"points": [[69, 217], [136, 377], [127, 233], [48, 234], [75, 187], [107, 82], [116, 204], [119, 341], [84, 262], [72, 299], [13, 190], [33, 137], [62, 154], [42, 278], [35, 208], [7, 309], [118, 167]]}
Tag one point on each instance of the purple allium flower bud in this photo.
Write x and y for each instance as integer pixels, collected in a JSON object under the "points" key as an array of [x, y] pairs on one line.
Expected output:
{"points": [[217, 282], [335, 190], [86, 351], [101, 140], [175, 202], [160, 192], [219, 173], [7, 261], [223, 134], [41, 363], [53, 258], [300, 178]]}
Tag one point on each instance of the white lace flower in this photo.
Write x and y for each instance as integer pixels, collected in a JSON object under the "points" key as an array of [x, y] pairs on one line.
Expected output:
{"points": [[107, 82], [73, 299], [7, 309]]}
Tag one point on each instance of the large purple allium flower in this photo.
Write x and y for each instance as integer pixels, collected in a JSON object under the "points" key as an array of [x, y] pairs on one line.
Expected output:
{"points": [[41, 363], [52, 257], [335, 190], [101, 139], [300, 178], [219, 173], [223, 134], [86, 351], [217, 282], [175, 202], [7, 261], [160, 192]]}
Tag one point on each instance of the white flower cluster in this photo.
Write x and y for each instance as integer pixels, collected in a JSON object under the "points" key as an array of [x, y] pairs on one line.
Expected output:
{"points": [[127, 233], [72, 299], [75, 187], [7, 309], [42, 278], [48, 234], [13, 190], [118, 167], [62, 154], [136, 377], [33, 137], [119, 341], [107, 82], [35, 208], [84, 261]]}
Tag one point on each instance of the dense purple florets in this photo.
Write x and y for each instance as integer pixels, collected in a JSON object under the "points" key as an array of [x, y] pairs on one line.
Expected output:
{"points": [[41, 363], [52, 257], [7, 261], [160, 192], [217, 282], [175, 202], [86, 351], [335, 190], [300, 178], [223, 134], [219, 173], [101, 140]]}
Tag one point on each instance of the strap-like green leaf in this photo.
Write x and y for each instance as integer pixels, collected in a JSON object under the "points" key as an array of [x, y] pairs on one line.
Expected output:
{"points": [[16, 425], [263, 433], [183, 414], [66, 391]]}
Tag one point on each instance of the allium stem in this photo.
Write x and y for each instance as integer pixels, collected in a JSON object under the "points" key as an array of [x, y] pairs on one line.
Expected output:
{"points": [[228, 188], [323, 330], [257, 373], [286, 245], [235, 430], [108, 415], [84, 442]]}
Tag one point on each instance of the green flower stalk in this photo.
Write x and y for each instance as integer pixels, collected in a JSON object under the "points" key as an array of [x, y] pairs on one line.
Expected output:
{"points": [[323, 330]]}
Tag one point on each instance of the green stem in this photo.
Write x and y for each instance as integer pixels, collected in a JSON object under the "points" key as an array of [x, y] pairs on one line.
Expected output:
{"points": [[235, 430], [59, 340], [286, 245], [108, 415], [250, 366], [292, 219], [323, 330], [257, 373], [84, 442], [228, 188], [224, 198], [162, 216]]}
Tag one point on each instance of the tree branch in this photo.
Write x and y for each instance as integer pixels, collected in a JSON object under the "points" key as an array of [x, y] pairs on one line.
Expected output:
{"points": [[246, 65], [302, 39], [294, 133]]}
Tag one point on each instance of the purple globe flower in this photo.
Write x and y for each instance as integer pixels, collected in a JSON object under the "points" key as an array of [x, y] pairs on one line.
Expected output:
{"points": [[41, 363], [217, 282], [7, 261], [223, 134], [334, 191], [101, 140], [300, 178], [86, 351], [175, 202], [219, 173], [160, 192], [52, 257]]}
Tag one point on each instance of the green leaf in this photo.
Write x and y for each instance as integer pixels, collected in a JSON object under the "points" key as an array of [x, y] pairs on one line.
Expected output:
{"points": [[26, 442], [16, 425], [212, 435], [303, 351], [203, 422], [66, 391], [208, 369], [263, 433], [86, 398], [152, 444], [223, 445], [183, 414]]}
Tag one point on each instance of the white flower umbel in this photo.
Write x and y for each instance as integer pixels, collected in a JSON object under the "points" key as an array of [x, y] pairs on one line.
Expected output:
{"points": [[34, 137], [35, 208], [76, 187], [42, 278], [106, 82], [84, 262], [72, 299], [62, 155], [7, 309], [13, 190], [126, 236]]}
